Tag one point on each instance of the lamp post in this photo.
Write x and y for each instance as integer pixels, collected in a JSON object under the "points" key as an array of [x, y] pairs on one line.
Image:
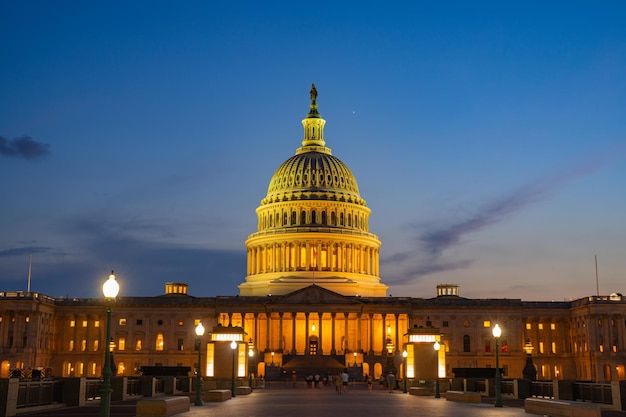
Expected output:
{"points": [[497, 332], [437, 346], [404, 356], [529, 371], [233, 346], [110, 290], [354, 353], [199, 333], [250, 354], [272, 358]]}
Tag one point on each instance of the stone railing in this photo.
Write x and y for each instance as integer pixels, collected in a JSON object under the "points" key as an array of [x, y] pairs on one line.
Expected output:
{"points": [[30, 396]]}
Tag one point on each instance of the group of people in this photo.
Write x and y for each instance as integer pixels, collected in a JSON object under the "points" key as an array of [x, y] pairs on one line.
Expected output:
{"points": [[341, 382]]}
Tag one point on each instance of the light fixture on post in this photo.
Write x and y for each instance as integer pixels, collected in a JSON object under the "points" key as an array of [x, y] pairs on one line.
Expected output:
{"points": [[529, 371], [233, 346], [110, 290], [437, 346], [497, 332], [405, 354], [354, 353], [390, 346], [199, 333]]}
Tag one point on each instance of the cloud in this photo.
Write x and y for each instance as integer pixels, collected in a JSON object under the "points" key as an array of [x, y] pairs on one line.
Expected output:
{"points": [[24, 251], [427, 256], [23, 147]]}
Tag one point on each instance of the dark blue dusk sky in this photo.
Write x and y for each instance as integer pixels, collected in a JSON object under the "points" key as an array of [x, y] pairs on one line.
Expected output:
{"points": [[488, 138]]}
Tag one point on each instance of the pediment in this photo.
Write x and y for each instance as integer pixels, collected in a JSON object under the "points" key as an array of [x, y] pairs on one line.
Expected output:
{"points": [[314, 294]]}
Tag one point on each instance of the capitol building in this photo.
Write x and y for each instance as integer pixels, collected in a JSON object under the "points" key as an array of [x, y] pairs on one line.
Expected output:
{"points": [[313, 300]]}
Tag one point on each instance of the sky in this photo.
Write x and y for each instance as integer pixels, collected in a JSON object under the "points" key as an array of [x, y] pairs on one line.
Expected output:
{"points": [[488, 139]]}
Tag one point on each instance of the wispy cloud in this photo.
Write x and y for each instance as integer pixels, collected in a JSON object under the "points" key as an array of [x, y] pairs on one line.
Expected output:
{"points": [[23, 147], [24, 251], [427, 255]]}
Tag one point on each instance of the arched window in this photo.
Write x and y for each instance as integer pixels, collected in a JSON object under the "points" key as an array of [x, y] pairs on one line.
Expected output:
{"points": [[349, 220], [333, 218], [284, 219], [466, 343], [303, 217], [277, 221], [341, 219], [324, 218], [293, 218], [313, 217]]}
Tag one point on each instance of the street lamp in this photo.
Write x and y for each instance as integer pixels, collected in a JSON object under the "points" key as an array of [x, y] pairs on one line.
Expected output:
{"points": [[199, 333], [272, 358], [404, 356], [110, 290], [529, 371], [497, 332], [233, 346], [437, 346], [354, 353]]}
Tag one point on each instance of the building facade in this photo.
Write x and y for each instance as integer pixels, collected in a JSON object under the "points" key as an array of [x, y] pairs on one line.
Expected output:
{"points": [[313, 299]]}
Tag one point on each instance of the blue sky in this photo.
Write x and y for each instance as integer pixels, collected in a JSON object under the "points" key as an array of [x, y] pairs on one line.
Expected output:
{"points": [[488, 138]]}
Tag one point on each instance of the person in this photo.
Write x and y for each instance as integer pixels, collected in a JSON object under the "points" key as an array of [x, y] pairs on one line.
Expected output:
{"points": [[369, 382], [294, 378], [390, 381], [345, 378], [309, 381], [338, 383], [316, 380]]}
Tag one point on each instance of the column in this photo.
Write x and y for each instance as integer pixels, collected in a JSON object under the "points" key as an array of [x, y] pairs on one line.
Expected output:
{"points": [[397, 331], [293, 333], [267, 333], [333, 351], [320, 349], [306, 334], [358, 331], [345, 318], [281, 346], [371, 346]]}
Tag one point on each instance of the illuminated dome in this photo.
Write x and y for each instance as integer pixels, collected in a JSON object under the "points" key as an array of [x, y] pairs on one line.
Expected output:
{"points": [[313, 225], [312, 175]]}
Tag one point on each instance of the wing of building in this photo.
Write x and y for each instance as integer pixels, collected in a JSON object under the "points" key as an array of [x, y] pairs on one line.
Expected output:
{"points": [[313, 301]]}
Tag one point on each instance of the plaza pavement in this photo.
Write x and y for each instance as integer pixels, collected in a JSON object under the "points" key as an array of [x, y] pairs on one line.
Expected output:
{"points": [[285, 401]]}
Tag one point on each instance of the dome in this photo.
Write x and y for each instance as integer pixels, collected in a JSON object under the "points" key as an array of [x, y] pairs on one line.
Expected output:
{"points": [[313, 226], [313, 175]]}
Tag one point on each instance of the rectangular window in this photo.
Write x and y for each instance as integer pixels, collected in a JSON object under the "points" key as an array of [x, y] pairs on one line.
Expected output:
{"points": [[27, 319], [487, 346], [196, 322], [121, 343], [139, 322], [552, 326], [122, 321], [72, 323], [71, 346], [445, 323], [540, 325], [540, 347], [83, 345], [180, 344], [96, 323], [84, 323], [487, 323], [553, 347], [96, 344], [138, 344], [529, 326]]}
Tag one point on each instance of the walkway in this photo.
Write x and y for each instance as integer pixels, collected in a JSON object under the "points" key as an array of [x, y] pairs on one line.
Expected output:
{"points": [[279, 401]]}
